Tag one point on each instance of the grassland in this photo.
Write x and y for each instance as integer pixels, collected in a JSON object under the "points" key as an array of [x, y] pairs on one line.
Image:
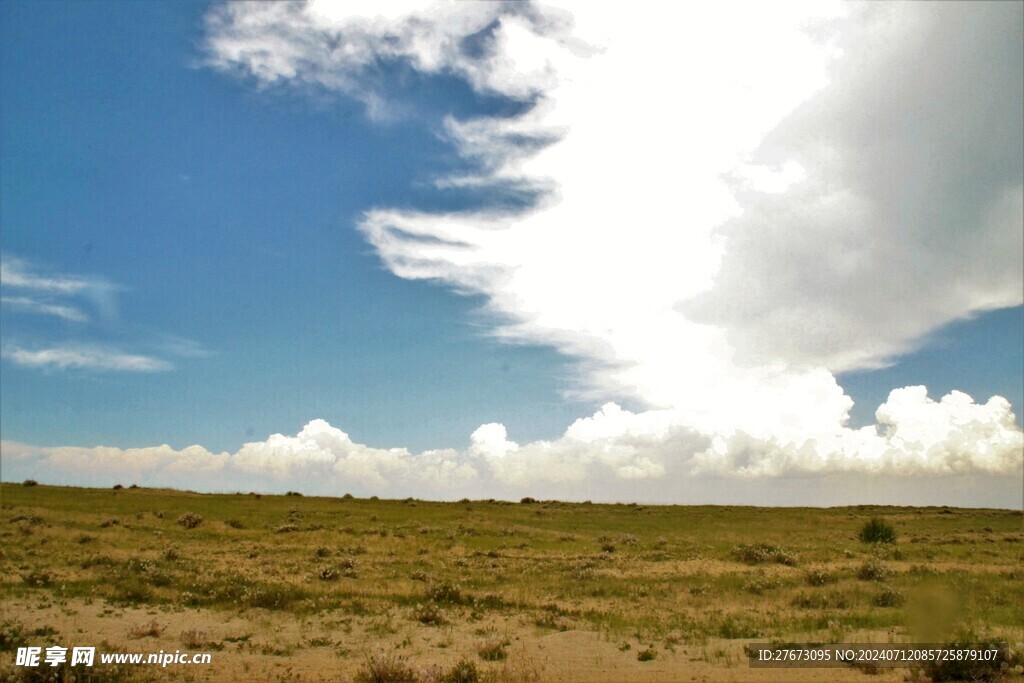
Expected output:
{"points": [[302, 588]]}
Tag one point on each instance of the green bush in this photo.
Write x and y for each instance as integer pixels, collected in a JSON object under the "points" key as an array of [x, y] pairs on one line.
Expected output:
{"points": [[877, 531], [757, 553], [646, 655], [890, 597], [190, 520], [872, 570]]}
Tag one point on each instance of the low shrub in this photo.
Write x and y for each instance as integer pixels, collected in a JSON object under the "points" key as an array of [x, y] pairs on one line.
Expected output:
{"points": [[493, 650], [890, 597], [152, 629], [646, 655], [819, 577], [758, 553], [463, 672], [872, 570], [190, 520], [446, 593], [877, 531], [386, 668], [193, 638], [429, 614]]}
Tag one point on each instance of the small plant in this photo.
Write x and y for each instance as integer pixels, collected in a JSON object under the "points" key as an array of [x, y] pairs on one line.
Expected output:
{"points": [[629, 539], [418, 575], [30, 482], [347, 565], [149, 630], [446, 593], [37, 578], [760, 584], [819, 577], [429, 614], [872, 570], [386, 668], [646, 655], [234, 523], [757, 553], [528, 500], [463, 672], [193, 638], [112, 521], [327, 574], [890, 597], [293, 493], [190, 520], [321, 551], [877, 531], [493, 650], [607, 547]]}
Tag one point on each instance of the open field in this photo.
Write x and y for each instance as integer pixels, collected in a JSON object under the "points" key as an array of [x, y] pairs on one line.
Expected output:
{"points": [[299, 588]]}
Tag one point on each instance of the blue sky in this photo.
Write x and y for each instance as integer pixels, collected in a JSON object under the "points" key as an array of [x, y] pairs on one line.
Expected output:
{"points": [[272, 249], [227, 218]]}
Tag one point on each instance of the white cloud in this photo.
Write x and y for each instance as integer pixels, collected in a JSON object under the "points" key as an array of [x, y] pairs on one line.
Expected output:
{"points": [[59, 289], [912, 210], [35, 306], [18, 274], [63, 295], [612, 455], [85, 357], [730, 212]]}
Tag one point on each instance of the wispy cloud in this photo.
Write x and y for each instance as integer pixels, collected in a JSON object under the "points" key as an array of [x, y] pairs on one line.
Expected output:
{"points": [[18, 274], [67, 296], [35, 306], [58, 292], [84, 357]]}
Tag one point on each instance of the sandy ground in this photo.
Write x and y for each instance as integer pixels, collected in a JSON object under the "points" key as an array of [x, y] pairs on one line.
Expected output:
{"points": [[257, 645]]}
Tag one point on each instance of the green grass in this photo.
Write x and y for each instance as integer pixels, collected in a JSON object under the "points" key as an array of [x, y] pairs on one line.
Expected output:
{"points": [[694, 572]]}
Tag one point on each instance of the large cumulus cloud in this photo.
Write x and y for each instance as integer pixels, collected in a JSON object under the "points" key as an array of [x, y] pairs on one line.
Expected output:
{"points": [[613, 454], [727, 210], [728, 213]]}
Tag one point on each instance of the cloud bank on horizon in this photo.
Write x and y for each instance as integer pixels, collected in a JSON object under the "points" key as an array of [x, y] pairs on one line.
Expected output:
{"points": [[729, 209]]}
